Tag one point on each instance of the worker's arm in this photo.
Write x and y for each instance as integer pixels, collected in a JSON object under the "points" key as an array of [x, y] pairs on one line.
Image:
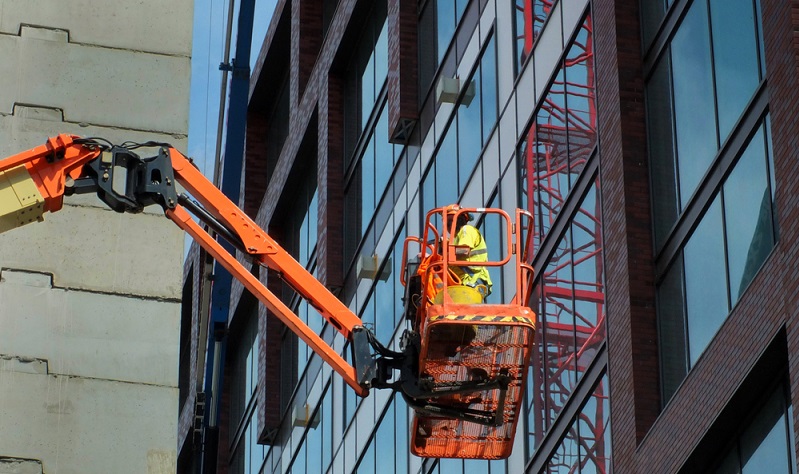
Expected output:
{"points": [[467, 238]]}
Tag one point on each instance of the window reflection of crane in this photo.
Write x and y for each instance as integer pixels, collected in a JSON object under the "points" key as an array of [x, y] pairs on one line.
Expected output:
{"points": [[570, 289]]}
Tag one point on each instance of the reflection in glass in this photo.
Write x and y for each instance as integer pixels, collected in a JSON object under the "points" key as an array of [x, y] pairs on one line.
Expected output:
{"points": [[367, 170], [693, 99], [581, 111], [445, 25], [530, 16], [468, 129], [559, 325], [747, 208], [586, 446], [705, 281], [488, 94], [446, 168], [671, 327], [660, 136], [735, 50]]}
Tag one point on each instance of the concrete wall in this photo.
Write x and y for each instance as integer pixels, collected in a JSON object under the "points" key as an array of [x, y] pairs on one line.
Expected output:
{"points": [[89, 299]]}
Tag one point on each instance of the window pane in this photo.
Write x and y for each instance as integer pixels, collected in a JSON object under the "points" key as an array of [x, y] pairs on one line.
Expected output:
{"points": [[384, 439], [367, 90], [660, 136], [671, 328], [552, 160], [693, 99], [747, 207], [559, 328], [367, 186], [313, 219], [588, 280], [381, 58], [764, 445], [384, 309], [488, 95], [705, 282], [566, 458], [581, 113], [384, 155], [445, 16], [734, 58], [469, 142], [326, 427], [446, 166], [367, 465], [522, 15]]}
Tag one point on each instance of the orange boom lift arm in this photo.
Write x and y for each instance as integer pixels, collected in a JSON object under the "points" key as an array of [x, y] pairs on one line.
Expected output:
{"points": [[36, 181]]}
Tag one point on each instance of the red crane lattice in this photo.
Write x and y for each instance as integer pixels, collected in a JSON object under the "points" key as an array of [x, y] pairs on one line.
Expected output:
{"points": [[571, 287]]}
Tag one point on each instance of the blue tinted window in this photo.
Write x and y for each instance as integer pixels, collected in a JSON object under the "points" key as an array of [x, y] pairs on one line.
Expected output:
{"points": [[747, 205], [446, 166], [735, 58], [445, 25], [488, 77], [705, 281], [469, 143], [693, 99], [367, 171]]}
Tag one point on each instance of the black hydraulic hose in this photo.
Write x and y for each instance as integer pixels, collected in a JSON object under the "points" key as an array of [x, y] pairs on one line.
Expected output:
{"points": [[195, 208]]}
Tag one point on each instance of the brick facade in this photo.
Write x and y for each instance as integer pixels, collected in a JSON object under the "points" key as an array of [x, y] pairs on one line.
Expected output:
{"points": [[632, 329], [682, 435]]}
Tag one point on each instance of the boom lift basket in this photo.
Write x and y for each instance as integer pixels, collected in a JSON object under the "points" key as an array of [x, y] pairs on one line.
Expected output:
{"points": [[473, 361]]}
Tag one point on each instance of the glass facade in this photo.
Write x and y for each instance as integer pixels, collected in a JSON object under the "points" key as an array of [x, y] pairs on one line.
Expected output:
{"points": [[476, 115], [711, 234], [697, 90], [558, 146], [247, 453], [523, 132]]}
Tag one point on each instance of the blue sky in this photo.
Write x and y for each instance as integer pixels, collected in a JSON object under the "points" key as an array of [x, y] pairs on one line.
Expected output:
{"points": [[210, 22]]}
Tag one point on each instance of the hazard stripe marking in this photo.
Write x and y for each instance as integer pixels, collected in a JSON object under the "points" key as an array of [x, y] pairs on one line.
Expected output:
{"points": [[481, 318]]}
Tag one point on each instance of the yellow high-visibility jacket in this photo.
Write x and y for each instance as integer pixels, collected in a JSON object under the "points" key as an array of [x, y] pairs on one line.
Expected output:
{"points": [[472, 275]]}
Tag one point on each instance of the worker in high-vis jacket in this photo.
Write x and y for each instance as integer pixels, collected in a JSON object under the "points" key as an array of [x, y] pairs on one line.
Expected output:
{"points": [[471, 247]]}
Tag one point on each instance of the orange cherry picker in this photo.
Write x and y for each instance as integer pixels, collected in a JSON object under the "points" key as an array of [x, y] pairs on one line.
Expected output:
{"points": [[462, 365]]}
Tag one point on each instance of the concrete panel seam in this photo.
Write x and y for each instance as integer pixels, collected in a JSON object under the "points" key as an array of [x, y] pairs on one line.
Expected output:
{"points": [[29, 27], [24, 106], [104, 379], [161, 299]]}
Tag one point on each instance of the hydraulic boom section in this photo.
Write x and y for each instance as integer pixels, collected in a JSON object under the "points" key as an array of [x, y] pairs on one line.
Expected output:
{"points": [[463, 362]]}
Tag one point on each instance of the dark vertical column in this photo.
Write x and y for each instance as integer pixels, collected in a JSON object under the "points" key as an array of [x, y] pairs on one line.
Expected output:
{"points": [[632, 328], [254, 177], [330, 172], [402, 69], [306, 42], [270, 382]]}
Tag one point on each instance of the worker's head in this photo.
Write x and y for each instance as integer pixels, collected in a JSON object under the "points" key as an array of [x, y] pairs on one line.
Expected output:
{"points": [[463, 217]]}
